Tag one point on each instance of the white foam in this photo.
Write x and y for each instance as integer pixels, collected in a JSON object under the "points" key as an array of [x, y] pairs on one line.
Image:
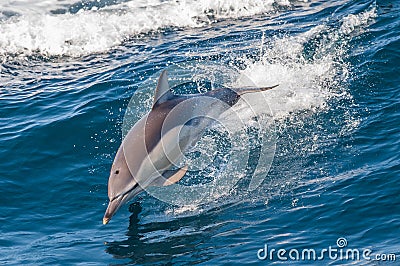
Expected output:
{"points": [[352, 22], [183, 209], [98, 30], [304, 83]]}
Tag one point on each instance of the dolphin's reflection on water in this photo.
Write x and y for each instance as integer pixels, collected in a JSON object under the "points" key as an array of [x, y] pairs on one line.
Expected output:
{"points": [[174, 240]]}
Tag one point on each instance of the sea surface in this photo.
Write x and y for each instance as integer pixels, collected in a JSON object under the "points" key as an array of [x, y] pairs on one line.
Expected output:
{"points": [[68, 70]]}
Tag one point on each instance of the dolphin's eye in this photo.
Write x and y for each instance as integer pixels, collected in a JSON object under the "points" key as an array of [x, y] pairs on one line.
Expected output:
{"points": [[117, 172]]}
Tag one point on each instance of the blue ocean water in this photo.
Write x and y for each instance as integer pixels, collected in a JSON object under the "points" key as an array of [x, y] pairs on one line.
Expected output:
{"points": [[69, 69]]}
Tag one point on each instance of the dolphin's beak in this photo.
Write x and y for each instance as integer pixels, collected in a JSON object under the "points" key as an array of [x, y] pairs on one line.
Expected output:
{"points": [[112, 208], [106, 220], [118, 201]]}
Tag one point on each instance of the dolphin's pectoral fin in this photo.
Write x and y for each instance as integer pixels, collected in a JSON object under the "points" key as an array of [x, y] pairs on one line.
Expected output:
{"points": [[170, 177], [173, 176], [163, 92]]}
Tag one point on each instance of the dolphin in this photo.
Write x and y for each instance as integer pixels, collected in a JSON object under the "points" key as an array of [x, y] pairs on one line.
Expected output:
{"points": [[147, 153]]}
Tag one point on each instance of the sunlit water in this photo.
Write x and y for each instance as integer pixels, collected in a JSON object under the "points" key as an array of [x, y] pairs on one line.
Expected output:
{"points": [[69, 69]]}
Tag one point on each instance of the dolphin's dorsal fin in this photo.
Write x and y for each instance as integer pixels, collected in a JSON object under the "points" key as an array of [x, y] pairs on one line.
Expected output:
{"points": [[163, 92]]}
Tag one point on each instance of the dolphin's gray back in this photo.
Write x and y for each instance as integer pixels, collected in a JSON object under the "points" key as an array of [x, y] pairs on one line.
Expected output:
{"points": [[179, 110], [193, 112]]}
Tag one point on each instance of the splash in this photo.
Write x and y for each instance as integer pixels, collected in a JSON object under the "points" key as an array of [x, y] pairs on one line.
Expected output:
{"points": [[310, 68], [95, 30]]}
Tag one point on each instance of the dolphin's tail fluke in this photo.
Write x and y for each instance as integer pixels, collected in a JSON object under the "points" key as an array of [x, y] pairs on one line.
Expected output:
{"points": [[245, 90]]}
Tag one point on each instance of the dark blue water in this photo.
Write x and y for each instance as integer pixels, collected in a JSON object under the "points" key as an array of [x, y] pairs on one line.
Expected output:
{"points": [[336, 170]]}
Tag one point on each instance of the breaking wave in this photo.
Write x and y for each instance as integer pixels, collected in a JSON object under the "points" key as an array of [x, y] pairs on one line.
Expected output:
{"points": [[94, 27]]}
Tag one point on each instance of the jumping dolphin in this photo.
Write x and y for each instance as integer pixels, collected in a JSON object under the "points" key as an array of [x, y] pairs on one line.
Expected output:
{"points": [[142, 160]]}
